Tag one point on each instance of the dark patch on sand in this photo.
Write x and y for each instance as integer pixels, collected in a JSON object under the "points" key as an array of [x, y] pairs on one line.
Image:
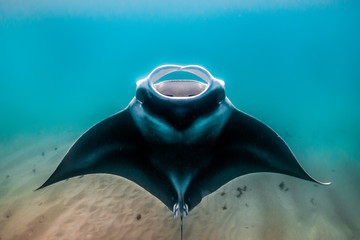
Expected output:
{"points": [[8, 214], [312, 201], [42, 218], [42, 154], [55, 148], [241, 191], [138, 217], [223, 194], [34, 170], [283, 187], [7, 176], [224, 207], [246, 205]]}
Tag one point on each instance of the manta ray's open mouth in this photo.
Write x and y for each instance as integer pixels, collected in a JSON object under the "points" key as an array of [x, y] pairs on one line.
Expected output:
{"points": [[180, 88], [180, 100]]}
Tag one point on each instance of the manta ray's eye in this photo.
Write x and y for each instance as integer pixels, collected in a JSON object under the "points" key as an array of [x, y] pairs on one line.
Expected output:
{"points": [[180, 84]]}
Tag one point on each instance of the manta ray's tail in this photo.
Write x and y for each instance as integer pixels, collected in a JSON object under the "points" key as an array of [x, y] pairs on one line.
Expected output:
{"points": [[182, 209]]}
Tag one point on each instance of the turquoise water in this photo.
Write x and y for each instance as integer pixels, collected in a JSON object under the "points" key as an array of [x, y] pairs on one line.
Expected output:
{"points": [[295, 66], [65, 69]]}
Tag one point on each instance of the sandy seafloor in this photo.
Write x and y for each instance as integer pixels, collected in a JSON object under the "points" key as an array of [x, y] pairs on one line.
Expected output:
{"points": [[257, 206]]}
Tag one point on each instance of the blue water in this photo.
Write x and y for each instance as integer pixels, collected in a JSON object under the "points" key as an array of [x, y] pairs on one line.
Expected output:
{"points": [[64, 69]]}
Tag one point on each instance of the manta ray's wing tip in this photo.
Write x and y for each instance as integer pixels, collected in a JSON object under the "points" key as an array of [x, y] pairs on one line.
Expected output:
{"points": [[317, 181], [45, 184], [41, 187], [37, 189], [326, 183], [322, 183]]}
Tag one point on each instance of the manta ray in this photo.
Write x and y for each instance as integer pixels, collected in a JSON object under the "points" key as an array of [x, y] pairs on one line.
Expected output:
{"points": [[180, 140]]}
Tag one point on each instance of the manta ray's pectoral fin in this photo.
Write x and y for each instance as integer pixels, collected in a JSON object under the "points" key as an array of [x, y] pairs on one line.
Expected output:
{"points": [[115, 146], [244, 146]]}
